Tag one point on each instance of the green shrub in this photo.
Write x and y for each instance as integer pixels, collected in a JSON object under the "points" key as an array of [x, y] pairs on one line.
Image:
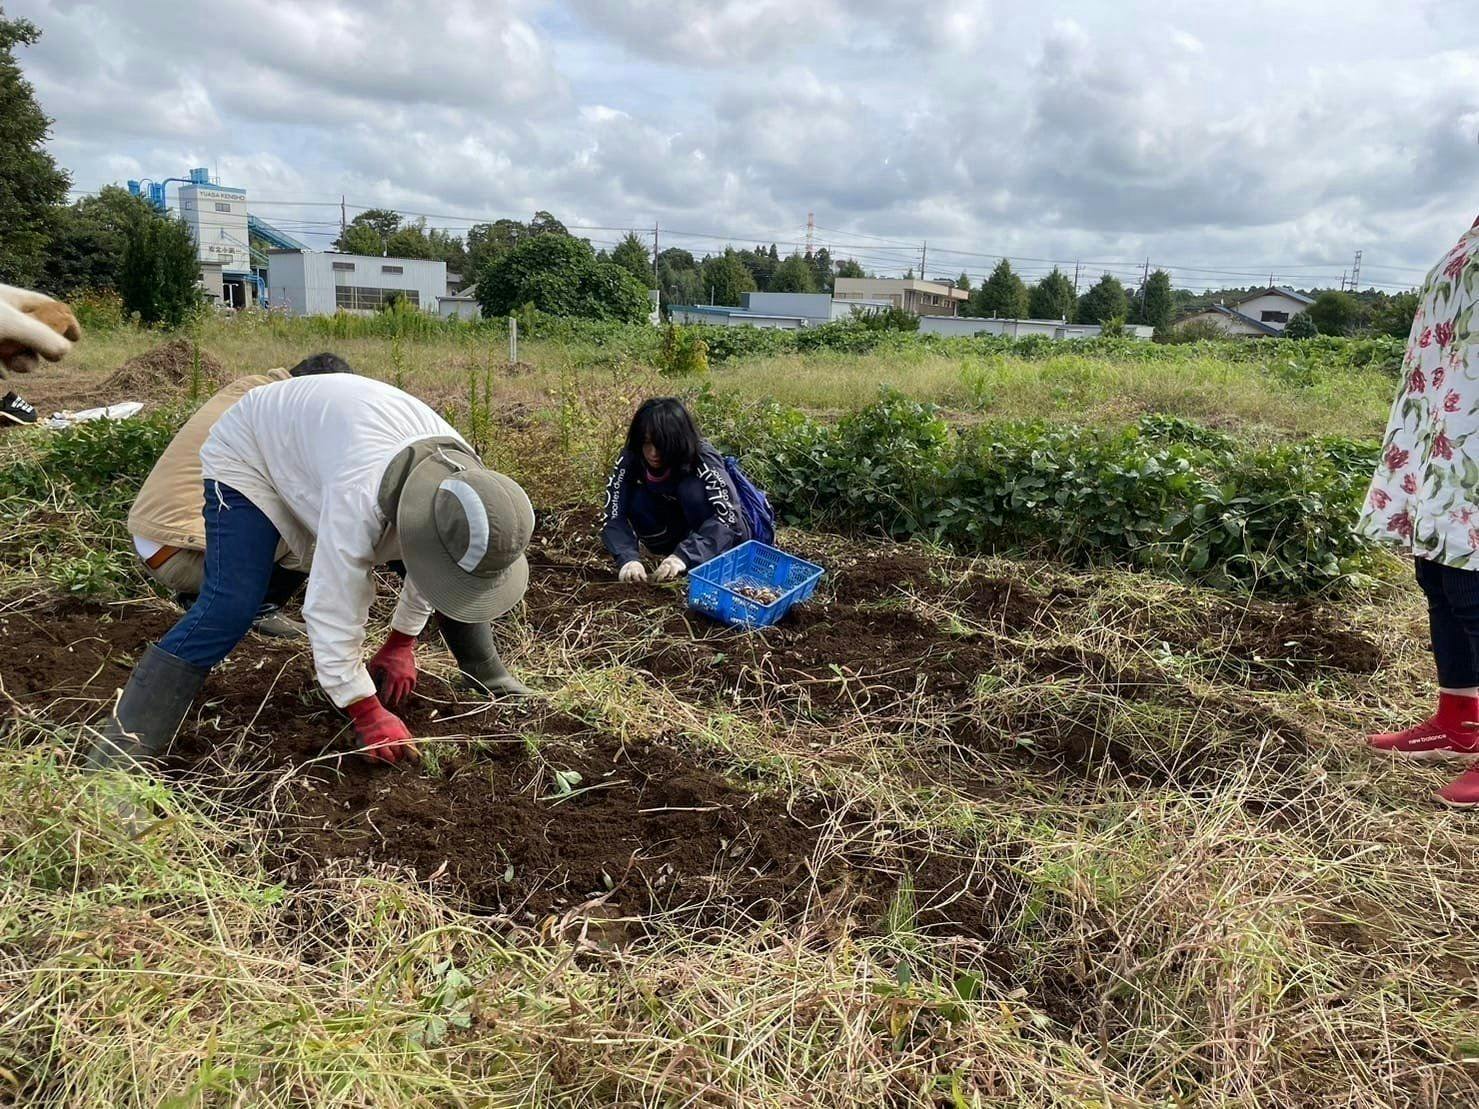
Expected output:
{"points": [[1193, 331], [1167, 495], [98, 310], [728, 344], [561, 276], [99, 465], [684, 353]]}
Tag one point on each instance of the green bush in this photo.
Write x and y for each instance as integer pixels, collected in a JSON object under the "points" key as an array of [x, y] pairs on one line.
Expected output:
{"points": [[1167, 495], [561, 276], [98, 310], [684, 352], [859, 336], [99, 465], [71, 500]]}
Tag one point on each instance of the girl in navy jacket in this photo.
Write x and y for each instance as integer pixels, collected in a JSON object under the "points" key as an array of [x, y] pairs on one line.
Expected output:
{"points": [[671, 493]]}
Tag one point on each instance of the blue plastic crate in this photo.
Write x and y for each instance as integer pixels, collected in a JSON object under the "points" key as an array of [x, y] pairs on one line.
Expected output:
{"points": [[711, 587]]}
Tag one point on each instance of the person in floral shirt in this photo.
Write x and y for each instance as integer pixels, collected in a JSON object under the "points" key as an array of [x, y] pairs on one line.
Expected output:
{"points": [[1424, 502]]}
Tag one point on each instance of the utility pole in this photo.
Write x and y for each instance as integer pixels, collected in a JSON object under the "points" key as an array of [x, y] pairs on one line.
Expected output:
{"points": [[923, 254], [1076, 267], [1356, 273], [654, 254], [343, 223], [1144, 280]]}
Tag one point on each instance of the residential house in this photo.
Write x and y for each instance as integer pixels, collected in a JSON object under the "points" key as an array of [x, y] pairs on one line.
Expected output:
{"points": [[1261, 314]]}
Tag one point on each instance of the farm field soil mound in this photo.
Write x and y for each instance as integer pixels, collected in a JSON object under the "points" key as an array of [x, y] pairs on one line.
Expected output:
{"points": [[529, 809], [1015, 672], [526, 811]]}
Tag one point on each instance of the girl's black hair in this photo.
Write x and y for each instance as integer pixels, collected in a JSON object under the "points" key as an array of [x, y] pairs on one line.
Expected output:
{"points": [[320, 364], [667, 424]]}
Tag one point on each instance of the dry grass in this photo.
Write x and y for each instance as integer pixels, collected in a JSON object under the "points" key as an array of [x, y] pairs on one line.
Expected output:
{"points": [[1069, 387]]}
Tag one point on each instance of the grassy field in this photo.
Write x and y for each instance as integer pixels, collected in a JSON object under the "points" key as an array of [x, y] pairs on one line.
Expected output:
{"points": [[1258, 401], [964, 832]]}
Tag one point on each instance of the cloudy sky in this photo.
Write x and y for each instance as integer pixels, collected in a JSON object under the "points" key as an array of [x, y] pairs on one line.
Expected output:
{"points": [[1223, 142]]}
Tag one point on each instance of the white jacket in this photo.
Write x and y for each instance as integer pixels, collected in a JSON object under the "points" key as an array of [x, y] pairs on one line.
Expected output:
{"points": [[310, 452]]}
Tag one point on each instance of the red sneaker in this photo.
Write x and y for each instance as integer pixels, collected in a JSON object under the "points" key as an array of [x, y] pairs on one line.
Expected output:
{"points": [[1450, 733], [1462, 792]]}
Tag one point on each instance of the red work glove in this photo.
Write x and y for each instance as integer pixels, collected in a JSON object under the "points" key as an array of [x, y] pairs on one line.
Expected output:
{"points": [[383, 735], [394, 668]]}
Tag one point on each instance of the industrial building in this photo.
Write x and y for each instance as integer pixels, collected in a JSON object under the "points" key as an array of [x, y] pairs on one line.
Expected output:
{"points": [[306, 283], [1021, 329], [460, 303], [922, 298], [232, 273], [780, 311]]}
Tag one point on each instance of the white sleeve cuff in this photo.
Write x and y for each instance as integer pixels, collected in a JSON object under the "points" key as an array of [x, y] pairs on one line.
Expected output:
{"points": [[411, 612], [359, 686]]}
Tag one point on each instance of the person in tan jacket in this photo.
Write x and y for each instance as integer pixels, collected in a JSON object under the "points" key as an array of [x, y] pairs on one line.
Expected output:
{"points": [[166, 521]]}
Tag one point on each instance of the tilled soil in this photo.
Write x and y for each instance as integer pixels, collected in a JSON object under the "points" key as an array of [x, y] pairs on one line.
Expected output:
{"points": [[644, 827], [899, 640], [528, 810]]}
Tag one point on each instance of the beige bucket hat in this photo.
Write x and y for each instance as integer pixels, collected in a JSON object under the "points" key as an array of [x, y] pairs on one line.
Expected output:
{"points": [[463, 530]]}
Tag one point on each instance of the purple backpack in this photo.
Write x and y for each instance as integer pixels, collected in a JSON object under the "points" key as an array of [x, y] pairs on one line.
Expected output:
{"points": [[754, 503]]}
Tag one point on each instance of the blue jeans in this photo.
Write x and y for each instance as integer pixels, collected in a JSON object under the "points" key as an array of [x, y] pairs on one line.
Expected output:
{"points": [[240, 556]]}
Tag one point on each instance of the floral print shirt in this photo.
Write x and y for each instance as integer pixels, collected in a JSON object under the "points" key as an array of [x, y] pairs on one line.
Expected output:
{"points": [[1424, 499]]}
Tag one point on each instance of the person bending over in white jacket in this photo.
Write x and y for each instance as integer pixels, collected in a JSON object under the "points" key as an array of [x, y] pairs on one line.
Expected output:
{"points": [[356, 473]]}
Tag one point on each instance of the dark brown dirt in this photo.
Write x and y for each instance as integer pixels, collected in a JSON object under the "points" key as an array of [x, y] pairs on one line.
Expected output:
{"points": [[1290, 637], [645, 828], [648, 826], [856, 651], [167, 366]]}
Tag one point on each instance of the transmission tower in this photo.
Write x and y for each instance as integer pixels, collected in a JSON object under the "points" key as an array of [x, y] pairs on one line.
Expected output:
{"points": [[811, 232], [1356, 273]]}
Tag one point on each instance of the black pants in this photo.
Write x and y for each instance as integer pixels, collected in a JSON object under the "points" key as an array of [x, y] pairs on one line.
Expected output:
{"points": [[662, 522], [1453, 618]]}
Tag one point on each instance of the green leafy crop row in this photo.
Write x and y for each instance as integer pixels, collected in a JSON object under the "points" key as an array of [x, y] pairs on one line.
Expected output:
{"points": [[854, 337], [1166, 495]]}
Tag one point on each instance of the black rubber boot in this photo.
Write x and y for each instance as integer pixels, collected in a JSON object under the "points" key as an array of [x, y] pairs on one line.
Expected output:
{"points": [[477, 657], [158, 695]]}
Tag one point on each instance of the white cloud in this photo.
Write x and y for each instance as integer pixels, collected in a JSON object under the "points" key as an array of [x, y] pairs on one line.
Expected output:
{"points": [[1099, 134]]}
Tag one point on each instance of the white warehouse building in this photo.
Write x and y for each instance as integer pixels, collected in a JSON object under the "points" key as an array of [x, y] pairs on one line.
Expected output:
{"points": [[1021, 329], [304, 283], [778, 311]]}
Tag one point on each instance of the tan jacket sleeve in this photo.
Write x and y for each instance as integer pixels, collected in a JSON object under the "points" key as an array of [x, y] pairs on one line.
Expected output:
{"points": [[168, 508]]}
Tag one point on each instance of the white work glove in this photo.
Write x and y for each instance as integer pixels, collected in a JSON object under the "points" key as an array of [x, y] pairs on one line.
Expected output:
{"points": [[669, 568], [33, 324], [632, 571]]}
